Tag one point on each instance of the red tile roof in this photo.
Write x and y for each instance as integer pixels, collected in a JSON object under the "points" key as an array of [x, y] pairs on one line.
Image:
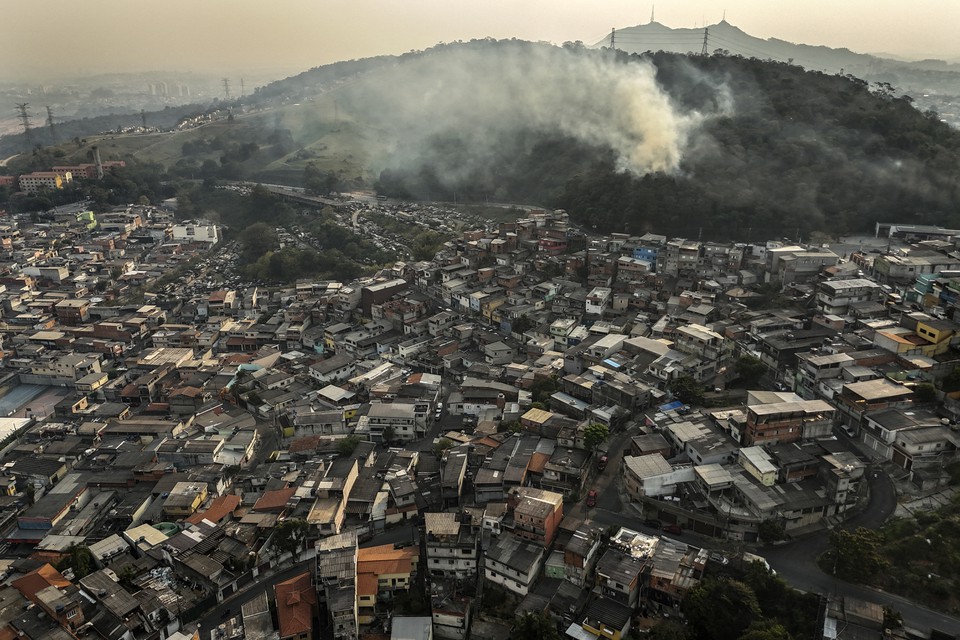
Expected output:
{"points": [[39, 579], [219, 509], [274, 501], [295, 600]]}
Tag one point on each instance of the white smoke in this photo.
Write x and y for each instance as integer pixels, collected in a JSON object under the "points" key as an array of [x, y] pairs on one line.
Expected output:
{"points": [[482, 92]]}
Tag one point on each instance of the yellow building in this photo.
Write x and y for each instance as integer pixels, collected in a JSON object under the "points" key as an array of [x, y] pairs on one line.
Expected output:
{"points": [[184, 499], [381, 570]]}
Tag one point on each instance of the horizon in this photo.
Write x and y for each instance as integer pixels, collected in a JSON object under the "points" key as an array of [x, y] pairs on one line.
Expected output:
{"points": [[243, 36]]}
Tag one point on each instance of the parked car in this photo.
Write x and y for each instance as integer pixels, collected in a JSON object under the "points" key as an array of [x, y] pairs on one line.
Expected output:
{"points": [[592, 498], [672, 528], [602, 463]]}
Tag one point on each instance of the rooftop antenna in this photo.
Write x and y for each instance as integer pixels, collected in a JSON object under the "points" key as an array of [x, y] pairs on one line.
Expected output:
{"points": [[23, 109], [50, 124], [226, 88]]}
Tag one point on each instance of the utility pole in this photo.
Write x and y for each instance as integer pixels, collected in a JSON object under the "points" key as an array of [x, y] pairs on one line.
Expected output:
{"points": [[613, 38], [226, 88], [706, 33], [50, 124], [24, 116]]}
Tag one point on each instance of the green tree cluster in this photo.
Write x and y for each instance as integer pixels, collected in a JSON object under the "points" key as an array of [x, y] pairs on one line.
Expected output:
{"points": [[595, 434]]}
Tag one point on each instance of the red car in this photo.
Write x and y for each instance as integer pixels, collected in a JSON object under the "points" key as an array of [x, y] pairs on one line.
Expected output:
{"points": [[672, 528], [592, 498]]}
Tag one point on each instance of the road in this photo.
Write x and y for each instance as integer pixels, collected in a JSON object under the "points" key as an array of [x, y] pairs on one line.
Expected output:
{"points": [[795, 561], [231, 606]]}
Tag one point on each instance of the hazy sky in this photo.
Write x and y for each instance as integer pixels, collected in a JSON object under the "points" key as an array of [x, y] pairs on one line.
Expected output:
{"points": [[57, 37]]}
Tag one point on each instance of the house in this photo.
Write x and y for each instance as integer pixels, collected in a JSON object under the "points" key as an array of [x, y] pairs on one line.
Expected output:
{"points": [[451, 544], [787, 422], [619, 576], [581, 554], [513, 563], [606, 618], [296, 601], [536, 514]]}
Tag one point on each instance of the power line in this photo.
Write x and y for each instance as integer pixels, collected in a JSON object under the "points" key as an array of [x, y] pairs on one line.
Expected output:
{"points": [[24, 115]]}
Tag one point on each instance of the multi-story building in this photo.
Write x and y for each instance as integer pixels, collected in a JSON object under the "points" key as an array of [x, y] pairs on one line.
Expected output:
{"points": [[33, 182], [787, 422], [598, 300], [337, 582], [836, 296], [513, 564], [452, 546], [196, 232], [815, 369], [537, 514]]}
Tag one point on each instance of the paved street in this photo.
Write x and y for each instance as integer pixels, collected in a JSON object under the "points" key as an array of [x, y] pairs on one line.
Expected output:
{"points": [[231, 606]]}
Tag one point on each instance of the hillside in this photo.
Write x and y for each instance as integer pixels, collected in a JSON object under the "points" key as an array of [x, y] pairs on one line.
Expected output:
{"points": [[935, 84], [720, 146]]}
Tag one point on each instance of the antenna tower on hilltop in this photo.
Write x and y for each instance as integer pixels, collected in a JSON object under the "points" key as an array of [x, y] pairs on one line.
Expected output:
{"points": [[706, 33], [613, 38], [653, 9], [226, 88]]}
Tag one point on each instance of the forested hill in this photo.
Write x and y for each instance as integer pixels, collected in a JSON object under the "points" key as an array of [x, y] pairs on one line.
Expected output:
{"points": [[778, 152]]}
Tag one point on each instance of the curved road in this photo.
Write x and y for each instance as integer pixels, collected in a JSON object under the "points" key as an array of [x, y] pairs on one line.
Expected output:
{"points": [[796, 563]]}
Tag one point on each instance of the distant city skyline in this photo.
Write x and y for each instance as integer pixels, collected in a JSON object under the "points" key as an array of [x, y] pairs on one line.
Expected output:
{"points": [[46, 39]]}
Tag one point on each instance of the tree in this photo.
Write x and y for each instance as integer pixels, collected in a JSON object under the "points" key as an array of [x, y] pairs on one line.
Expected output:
{"points": [[766, 630], [535, 625], [442, 445], [749, 370], [687, 390], [594, 434], [857, 554], [290, 535], [78, 559], [772, 530], [925, 392], [388, 434], [346, 446], [721, 609]]}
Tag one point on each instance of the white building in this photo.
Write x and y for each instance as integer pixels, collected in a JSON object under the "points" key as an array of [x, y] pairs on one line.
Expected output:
{"points": [[513, 563], [196, 232]]}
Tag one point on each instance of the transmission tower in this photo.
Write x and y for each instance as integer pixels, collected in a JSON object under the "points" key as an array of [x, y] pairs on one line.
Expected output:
{"points": [[613, 38], [143, 118], [22, 109], [706, 32], [243, 90], [53, 136], [226, 88]]}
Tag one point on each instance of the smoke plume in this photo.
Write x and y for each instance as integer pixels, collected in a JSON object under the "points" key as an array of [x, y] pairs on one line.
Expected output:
{"points": [[484, 94]]}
